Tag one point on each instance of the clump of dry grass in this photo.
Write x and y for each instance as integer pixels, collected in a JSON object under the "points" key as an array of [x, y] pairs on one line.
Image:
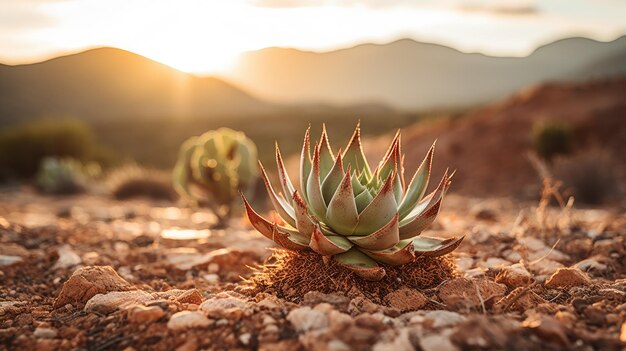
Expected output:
{"points": [[132, 181], [291, 275]]}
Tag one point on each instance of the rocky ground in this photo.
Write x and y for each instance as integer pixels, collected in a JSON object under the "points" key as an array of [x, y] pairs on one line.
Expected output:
{"points": [[90, 273]]}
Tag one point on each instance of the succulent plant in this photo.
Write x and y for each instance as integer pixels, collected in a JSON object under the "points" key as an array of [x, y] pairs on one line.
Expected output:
{"points": [[62, 176], [213, 167], [364, 219]]}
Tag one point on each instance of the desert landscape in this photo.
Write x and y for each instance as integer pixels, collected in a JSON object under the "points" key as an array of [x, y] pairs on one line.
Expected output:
{"points": [[387, 195]]}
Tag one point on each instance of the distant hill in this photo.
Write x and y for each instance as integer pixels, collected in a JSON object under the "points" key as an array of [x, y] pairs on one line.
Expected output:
{"points": [[112, 83], [488, 147], [411, 75]]}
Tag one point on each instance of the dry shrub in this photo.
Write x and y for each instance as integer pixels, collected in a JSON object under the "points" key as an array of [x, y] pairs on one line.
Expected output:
{"points": [[132, 181], [291, 275], [591, 176]]}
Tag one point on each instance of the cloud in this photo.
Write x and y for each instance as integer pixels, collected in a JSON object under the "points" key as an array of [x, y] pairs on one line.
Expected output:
{"points": [[501, 7], [23, 15]]}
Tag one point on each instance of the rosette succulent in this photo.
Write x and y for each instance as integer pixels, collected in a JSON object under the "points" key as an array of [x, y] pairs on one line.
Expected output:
{"points": [[365, 219]]}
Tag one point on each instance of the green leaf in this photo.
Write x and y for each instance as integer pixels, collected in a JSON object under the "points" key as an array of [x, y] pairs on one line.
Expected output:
{"points": [[328, 245], [282, 207], [326, 154], [429, 246], [361, 264], [285, 181], [363, 199], [379, 212], [304, 223], [334, 177], [399, 254], [305, 163], [417, 186], [315, 198], [342, 215], [383, 238], [353, 156]]}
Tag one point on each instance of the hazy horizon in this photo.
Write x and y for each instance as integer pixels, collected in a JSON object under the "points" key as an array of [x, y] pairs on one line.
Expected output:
{"points": [[179, 34]]}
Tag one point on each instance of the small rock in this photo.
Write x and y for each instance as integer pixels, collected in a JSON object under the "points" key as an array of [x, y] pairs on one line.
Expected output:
{"points": [[211, 278], [190, 296], [45, 333], [622, 335], [244, 338], [493, 262], [438, 342], [313, 298], [592, 264], [595, 316], [464, 263], [400, 343], [88, 281], [187, 319], [109, 302], [224, 305], [67, 258], [441, 318], [484, 213], [567, 278], [547, 328], [140, 314], [514, 276], [305, 319], [362, 304], [567, 318], [7, 260], [406, 299], [464, 292]]}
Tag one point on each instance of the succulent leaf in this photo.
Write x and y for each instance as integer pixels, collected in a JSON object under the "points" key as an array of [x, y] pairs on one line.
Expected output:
{"points": [[328, 245], [417, 186], [285, 181], [342, 215], [305, 162], [399, 254], [429, 246], [304, 223], [314, 188], [354, 156], [361, 264], [379, 212], [281, 205], [383, 238], [334, 177]]}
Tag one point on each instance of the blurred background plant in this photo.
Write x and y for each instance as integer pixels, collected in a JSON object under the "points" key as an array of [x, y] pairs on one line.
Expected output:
{"points": [[590, 176], [132, 181], [212, 169], [24, 147], [65, 176], [551, 138]]}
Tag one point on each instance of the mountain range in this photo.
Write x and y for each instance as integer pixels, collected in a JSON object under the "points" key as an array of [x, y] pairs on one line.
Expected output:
{"points": [[411, 75], [106, 83]]}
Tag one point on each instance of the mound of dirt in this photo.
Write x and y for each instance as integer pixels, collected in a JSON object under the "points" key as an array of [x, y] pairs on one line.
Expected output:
{"points": [[292, 275]]}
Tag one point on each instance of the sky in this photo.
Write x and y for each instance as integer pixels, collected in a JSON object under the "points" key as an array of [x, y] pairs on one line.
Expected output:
{"points": [[207, 36]]}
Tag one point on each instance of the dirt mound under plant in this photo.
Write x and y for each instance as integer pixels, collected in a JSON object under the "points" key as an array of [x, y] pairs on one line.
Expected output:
{"points": [[291, 275]]}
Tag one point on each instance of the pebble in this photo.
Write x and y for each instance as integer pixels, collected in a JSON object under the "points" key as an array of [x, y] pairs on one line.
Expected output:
{"points": [[514, 276], [406, 299], [88, 281], [67, 258], [567, 278], [7, 260], [437, 342], [45, 333], [187, 319], [140, 314], [441, 319], [223, 305], [190, 296], [465, 292], [306, 319], [107, 303]]}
